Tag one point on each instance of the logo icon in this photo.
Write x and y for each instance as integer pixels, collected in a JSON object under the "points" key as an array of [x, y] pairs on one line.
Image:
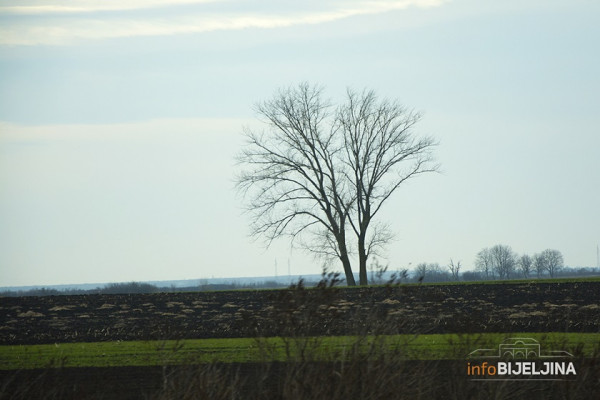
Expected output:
{"points": [[520, 347]]}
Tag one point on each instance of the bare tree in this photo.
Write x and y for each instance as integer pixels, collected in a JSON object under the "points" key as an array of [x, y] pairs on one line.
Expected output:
{"points": [[454, 269], [317, 172], [421, 271], [553, 261], [525, 265], [381, 153], [499, 261], [430, 272], [539, 264], [503, 260], [294, 181], [484, 263]]}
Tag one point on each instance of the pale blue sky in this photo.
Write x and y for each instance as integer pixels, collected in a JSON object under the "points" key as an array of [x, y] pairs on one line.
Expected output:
{"points": [[119, 122]]}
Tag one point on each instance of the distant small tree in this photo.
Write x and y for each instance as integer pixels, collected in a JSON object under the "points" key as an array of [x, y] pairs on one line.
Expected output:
{"points": [[437, 273], [430, 272], [553, 261], [131, 287], [470, 276], [503, 260], [454, 269], [539, 264], [499, 261], [525, 265], [484, 264], [421, 271]]}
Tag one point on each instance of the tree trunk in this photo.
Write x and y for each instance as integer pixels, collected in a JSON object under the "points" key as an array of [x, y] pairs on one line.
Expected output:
{"points": [[348, 271], [346, 263], [362, 260]]}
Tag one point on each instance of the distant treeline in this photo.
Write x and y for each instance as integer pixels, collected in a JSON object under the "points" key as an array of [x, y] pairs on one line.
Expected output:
{"points": [[140, 287], [433, 272], [427, 273]]}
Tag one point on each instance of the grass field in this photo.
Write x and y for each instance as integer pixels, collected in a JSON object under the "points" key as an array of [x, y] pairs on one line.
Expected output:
{"points": [[510, 281], [402, 342], [244, 350]]}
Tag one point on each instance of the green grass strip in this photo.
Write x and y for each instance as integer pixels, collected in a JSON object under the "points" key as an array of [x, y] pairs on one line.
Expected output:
{"points": [[335, 348], [506, 281]]}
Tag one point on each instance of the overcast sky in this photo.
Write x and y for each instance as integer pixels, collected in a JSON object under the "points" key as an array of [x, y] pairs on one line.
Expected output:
{"points": [[120, 120]]}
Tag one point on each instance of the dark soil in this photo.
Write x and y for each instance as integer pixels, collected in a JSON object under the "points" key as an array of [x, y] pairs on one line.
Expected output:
{"points": [[521, 307]]}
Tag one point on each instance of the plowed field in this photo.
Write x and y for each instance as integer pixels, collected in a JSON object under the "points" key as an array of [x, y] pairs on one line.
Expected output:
{"points": [[469, 308]]}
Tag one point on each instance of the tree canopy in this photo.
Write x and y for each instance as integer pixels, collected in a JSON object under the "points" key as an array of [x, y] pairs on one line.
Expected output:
{"points": [[320, 173]]}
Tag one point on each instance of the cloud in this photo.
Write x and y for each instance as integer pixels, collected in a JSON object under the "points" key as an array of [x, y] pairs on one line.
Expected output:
{"points": [[56, 25], [83, 6]]}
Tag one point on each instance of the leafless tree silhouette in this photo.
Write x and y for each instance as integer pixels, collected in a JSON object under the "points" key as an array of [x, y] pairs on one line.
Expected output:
{"points": [[499, 260], [525, 265], [551, 261], [504, 260], [318, 173], [539, 264], [454, 269], [484, 263]]}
